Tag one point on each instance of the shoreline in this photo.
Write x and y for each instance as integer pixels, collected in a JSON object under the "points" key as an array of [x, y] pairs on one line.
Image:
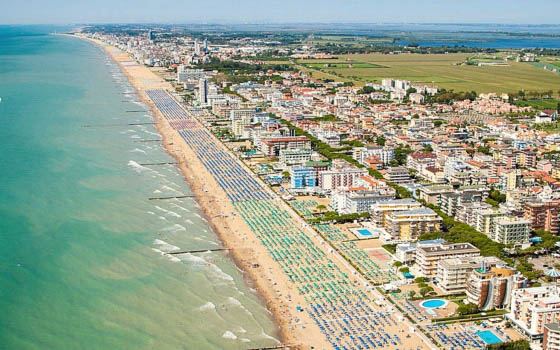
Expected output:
{"points": [[211, 214], [274, 285]]}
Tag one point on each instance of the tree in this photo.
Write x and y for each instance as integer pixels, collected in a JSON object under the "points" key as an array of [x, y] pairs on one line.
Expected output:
{"points": [[321, 207], [380, 140], [426, 290], [286, 174], [427, 149], [397, 264], [512, 345], [404, 270], [411, 294], [467, 309]]}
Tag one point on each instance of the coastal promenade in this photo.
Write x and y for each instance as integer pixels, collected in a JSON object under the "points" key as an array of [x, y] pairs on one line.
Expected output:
{"points": [[318, 300]]}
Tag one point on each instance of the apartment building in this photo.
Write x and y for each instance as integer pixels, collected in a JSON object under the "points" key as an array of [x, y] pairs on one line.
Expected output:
{"points": [[406, 252], [512, 230], [358, 200], [428, 258], [301, 176], [272, 146], [551, 336], [341, 174], [408, 225], [533, 308], [295, 156], [398, 175], [452, 274], [380, 211], [491, 286], [543, 215]]}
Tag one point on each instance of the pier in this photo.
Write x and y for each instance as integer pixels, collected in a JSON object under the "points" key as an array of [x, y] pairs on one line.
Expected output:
{"points": [[154, 140], [171, 197], [162, 163], [199, 251], [280, 346], [108, 125]]}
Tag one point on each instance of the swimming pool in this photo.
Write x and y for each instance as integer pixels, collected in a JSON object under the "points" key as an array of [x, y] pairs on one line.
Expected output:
{"points": [[433, 303], [365, 232], [489, 337]]}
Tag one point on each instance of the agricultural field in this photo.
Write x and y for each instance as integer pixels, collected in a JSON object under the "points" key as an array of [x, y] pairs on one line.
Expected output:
{"points": [[539, 104], [443, 70]]}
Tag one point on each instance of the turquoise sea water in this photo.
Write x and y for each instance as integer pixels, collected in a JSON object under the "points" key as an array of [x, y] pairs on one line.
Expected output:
{"points": [[81, 263]]}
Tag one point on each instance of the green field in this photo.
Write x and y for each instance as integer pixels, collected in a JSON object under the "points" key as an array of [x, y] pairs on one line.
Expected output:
{"points": [[343, 65], [539, 104], [441, 70]]}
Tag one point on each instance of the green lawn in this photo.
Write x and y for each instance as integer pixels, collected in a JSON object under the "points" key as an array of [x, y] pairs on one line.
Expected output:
{"points": [[443, 71]]}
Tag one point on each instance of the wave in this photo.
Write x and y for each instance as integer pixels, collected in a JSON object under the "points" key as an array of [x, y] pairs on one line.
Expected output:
{"points": [[157, 191], [138, 150], [165, 187], [188, 257], [189, 221], [165, 246], [266, 336], [240, 329], [244, 340], [174, 228], [207, 306], [237, 303], [229, 335], [137, 167], [151, 212], [168, 212]]}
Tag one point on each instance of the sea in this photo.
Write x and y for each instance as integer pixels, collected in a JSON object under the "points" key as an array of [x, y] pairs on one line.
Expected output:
{"points": [[83, 261]]}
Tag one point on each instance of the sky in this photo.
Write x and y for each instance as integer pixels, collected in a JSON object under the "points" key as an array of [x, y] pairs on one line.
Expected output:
{"points": [[285, 11]]}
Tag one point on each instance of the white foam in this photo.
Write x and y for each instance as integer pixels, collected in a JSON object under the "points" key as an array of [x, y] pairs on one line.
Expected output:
{"points": [[229, 335], [188, 257], [237, 303], [137, 167], [134, 137], [266, 336], [189, 221], [172, 258], [165, 187], [165, 246], [220, 274], [208, 306], [151, 212], [174, 228], [244, 340], [157, 191], [138, 150], [240, 329]]}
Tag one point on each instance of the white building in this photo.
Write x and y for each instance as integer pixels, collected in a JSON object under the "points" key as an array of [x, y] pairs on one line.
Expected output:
{"points": [[532, 308]]}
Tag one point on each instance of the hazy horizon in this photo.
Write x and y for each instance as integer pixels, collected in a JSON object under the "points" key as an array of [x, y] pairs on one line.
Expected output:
{"points": [[58, 12]]}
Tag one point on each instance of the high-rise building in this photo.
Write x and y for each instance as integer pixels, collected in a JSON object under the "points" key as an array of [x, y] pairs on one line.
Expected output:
{"points": [[532, 308], [543, 215], [196, 47], [203, 91], [491, 287]]}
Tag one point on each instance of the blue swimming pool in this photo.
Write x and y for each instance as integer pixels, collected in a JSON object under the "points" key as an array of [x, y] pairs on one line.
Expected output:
{"points": [[365, 232], [433, 303], [489, 337]]}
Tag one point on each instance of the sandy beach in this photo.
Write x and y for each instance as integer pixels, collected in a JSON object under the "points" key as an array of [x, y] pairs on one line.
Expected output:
{"points": [[281, 295]]}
